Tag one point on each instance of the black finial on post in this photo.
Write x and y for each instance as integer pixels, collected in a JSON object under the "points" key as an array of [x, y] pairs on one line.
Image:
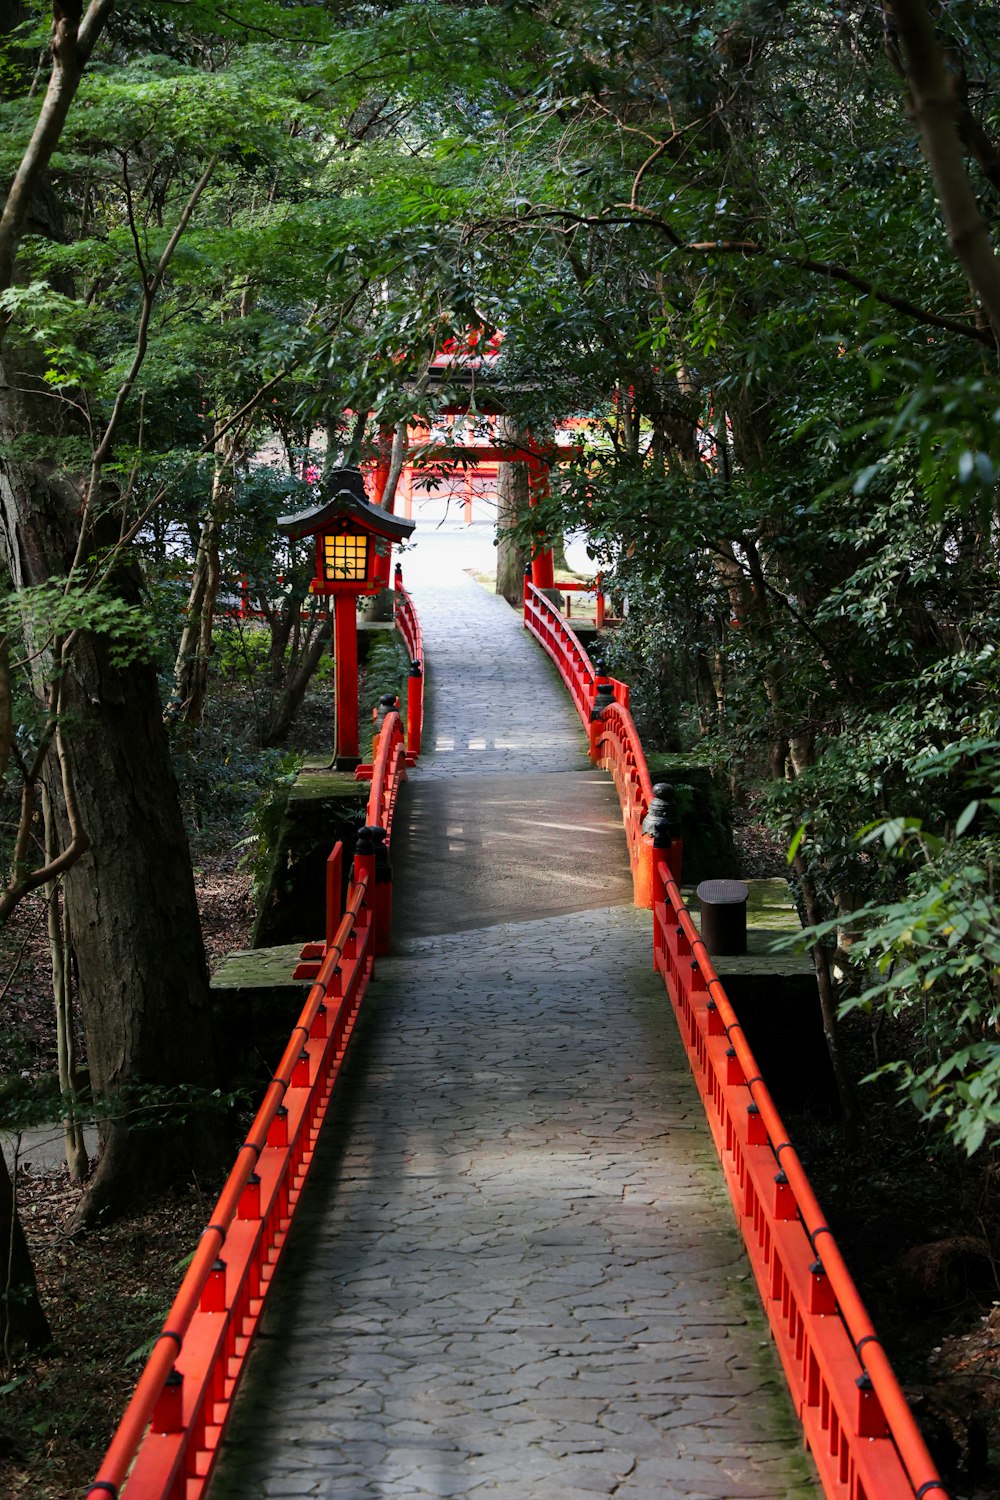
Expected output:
{"points": [[661, 822], [604, 696]]}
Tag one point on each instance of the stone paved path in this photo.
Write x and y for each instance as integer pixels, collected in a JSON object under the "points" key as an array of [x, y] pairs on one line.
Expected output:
{"points": [[515, 1276], [497, 701], [504, 810]]}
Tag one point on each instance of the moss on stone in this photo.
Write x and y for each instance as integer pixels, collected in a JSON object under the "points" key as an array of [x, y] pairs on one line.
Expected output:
{"points": [[704, 806], [322, 807]]}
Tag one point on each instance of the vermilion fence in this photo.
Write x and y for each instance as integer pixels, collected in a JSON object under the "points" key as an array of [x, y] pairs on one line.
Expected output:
{"points": [[858, 1426], [575, 667], [408, 626], [603, 705], [388, 771], [615, 747], [166, 1444]]}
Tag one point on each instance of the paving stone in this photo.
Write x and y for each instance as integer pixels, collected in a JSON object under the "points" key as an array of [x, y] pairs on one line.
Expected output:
{"points": [[515, 1275]]}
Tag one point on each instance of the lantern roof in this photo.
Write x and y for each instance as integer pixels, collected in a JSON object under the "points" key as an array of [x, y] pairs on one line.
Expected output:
{"points": [[345, 497]]}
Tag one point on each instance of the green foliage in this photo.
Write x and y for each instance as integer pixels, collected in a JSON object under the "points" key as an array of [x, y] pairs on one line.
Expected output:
{"points": [[27, 1104], [928, 958], [709, 229], [221, 777], [44, 613], [54, 322], [385, 670], [266, 820], [240, 652]]}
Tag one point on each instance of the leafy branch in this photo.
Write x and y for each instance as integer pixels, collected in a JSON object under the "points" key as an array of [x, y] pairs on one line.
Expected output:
{"points": [[830, 270], [72, 42]]}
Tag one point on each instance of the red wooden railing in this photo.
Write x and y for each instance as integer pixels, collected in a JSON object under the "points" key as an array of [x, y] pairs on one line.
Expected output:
{"points": [[408, 626], [388, 771], [603, 706], [167, 1441], [862, 1434], [166, 1444], [575, 667], [615, 747], [594, 587]]}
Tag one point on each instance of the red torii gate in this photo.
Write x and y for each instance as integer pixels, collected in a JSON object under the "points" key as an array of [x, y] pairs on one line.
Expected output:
{"points": [[464, 361], [539, 458]]}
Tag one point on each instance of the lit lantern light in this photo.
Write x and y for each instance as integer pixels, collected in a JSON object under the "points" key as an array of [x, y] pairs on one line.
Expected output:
{"points": [[353, 557], [345, 557]]}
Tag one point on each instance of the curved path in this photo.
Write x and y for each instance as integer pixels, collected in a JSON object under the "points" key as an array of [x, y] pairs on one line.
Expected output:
{"points": [[516, 1275]]}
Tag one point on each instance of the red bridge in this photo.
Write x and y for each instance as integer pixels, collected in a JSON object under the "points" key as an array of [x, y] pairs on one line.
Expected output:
{"points": [[516, 1271]]}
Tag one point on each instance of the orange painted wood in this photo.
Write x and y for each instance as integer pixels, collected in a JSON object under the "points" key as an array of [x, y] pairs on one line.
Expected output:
{"points": [[345, 661]]}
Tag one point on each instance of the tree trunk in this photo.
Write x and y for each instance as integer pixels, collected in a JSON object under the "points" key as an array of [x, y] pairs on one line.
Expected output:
{"points": [[934, 111], [77, 1160], [6, 714], [828, 1008], [284, 709], [23, 1324], [71, 43], [512, 506], [137, 937], [143, 979], [187, 701]]}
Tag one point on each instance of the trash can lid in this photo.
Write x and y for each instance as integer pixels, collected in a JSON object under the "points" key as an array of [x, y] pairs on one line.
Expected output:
{"points": [[723, 892]]}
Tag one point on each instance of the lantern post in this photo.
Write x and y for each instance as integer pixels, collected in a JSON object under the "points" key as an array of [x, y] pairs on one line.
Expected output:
{"points": [[353, 556]]}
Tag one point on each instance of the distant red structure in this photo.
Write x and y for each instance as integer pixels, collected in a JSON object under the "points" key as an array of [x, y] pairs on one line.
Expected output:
{"points": [[439, 450]]}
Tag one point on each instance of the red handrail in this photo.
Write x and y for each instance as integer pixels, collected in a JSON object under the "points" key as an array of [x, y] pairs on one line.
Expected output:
{"points": [[863, 1436], [603, 705], [548, 627], [408, 625], [167, 1441], [388, 770], [168, 1438], [615, 747], [407, 622]]}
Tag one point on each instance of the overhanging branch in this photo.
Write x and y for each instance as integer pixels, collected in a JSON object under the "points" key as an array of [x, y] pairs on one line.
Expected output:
{"points": [[829, 269]]}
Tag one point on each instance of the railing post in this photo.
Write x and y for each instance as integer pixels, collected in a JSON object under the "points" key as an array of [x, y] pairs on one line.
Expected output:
{"points": [[593, 731], [386, 705], [657, 834], [604, 696], [661, 851], [381, 890], [642, 878], [414, 708], [364, 865], [168, 1414]]}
